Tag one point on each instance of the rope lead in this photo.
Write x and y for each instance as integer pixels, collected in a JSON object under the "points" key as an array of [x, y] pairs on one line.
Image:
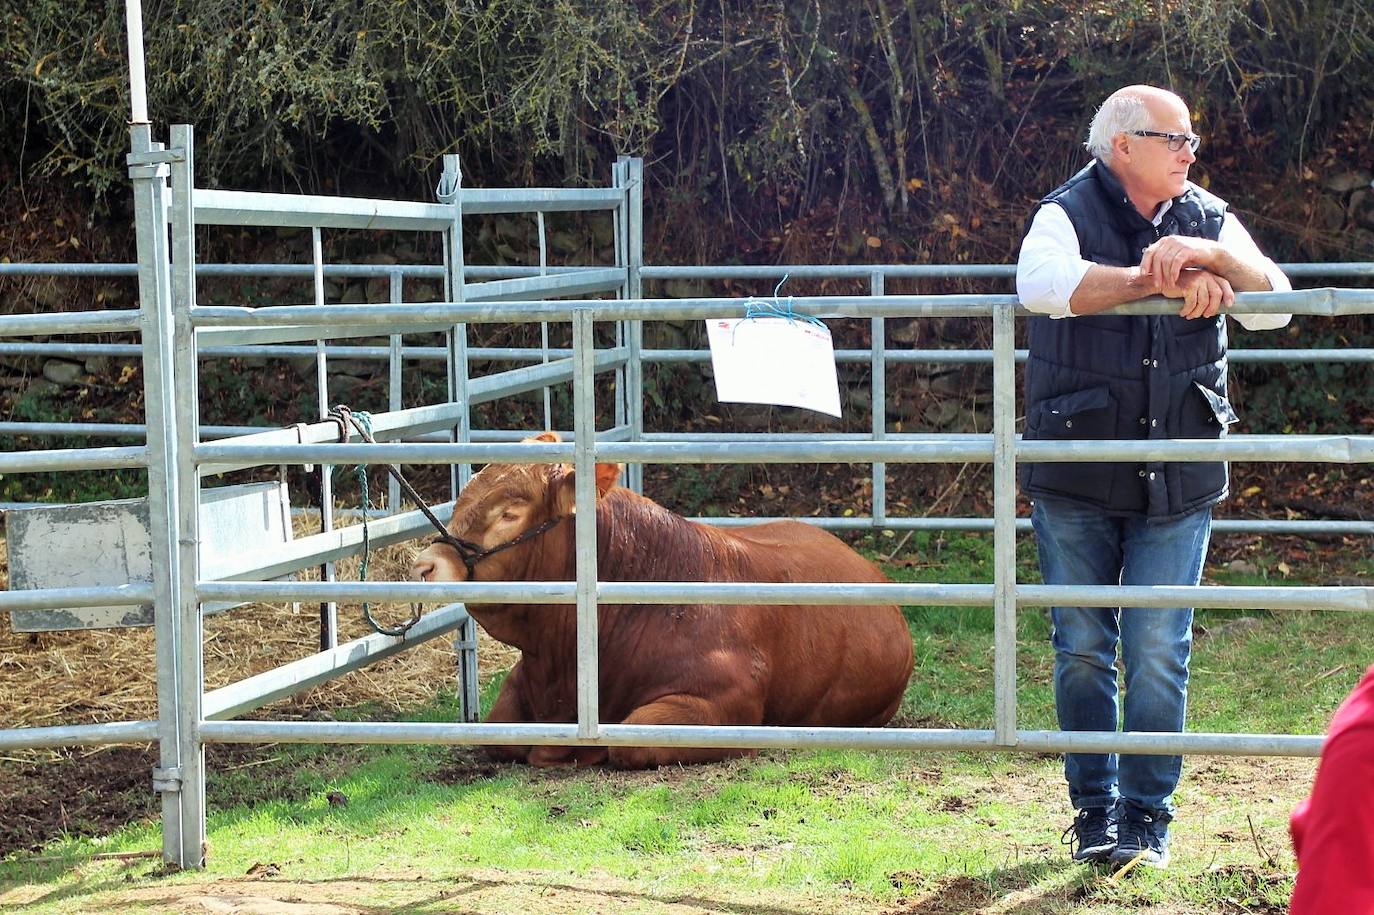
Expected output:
{"points": [[362, 421]]}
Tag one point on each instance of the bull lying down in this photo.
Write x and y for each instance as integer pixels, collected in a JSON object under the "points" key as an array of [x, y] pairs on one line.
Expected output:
{"points": [[829, 665]]}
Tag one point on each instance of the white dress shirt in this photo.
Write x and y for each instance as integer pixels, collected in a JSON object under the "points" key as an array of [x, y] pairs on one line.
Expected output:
{"points": [[1051, 264]]}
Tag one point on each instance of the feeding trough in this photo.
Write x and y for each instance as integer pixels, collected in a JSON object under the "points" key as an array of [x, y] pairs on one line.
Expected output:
{"points": [[99, 544]]}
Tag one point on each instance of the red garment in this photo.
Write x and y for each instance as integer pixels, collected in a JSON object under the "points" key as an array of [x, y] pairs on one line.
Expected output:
{"points": [[1333, 830]]}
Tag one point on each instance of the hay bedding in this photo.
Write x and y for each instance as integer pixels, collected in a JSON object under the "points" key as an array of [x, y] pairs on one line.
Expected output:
{"points": [[96, 676]]}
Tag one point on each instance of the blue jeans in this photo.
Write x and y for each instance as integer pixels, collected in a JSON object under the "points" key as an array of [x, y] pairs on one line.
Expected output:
{"points": [[1082, 546]]}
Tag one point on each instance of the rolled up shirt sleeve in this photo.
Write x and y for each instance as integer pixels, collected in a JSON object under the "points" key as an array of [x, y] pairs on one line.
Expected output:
{"points": [[1050, 267], [1235, 237]]}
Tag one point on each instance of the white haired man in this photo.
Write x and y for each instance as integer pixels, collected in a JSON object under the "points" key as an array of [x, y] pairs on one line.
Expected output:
{"points": [[1128, 226]]}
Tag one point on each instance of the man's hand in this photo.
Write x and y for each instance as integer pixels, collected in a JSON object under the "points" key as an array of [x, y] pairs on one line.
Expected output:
{"points": [[1167, 258], [1203, 294]]}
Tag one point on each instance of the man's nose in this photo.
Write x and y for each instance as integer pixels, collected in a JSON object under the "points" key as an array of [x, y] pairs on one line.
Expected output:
{"points": [[1188, 155]]}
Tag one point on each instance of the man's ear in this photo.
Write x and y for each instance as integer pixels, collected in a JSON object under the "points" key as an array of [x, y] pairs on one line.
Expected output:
{"points": [[563, 482], [1121, 148]]}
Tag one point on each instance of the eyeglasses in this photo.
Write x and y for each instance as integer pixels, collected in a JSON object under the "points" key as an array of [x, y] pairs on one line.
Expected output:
{"points": [[1175, 140]]}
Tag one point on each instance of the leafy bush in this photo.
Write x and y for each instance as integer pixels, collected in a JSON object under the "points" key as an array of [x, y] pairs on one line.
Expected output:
{"points": [[792, 99]]}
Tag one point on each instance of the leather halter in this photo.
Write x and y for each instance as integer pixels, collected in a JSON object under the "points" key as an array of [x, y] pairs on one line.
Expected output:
{"points": [[473, 553]]}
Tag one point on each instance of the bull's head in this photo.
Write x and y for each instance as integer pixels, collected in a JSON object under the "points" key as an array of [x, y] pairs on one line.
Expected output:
{"points": [[499, 518]]}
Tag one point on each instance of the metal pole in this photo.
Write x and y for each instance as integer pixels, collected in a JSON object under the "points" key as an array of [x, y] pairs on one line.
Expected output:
{"points": [[469, 695], [634, 288], [155, 298], [584, 464], [329, 611], [395, 361], [544, 325], [138, 89], [190, 662], [621, 257], [451, 192], [1004, 523], [878, 389]]}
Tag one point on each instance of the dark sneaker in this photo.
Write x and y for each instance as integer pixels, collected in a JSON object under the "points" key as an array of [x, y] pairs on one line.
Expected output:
{"points": [[1091, 836], [1141, 836]]}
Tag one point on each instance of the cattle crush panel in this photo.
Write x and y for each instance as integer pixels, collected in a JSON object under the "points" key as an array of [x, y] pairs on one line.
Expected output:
{"points": [[175, 331]]}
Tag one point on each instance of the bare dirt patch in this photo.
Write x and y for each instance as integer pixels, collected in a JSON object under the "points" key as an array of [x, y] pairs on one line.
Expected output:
{"points": [[98, 676], [479, 892]]}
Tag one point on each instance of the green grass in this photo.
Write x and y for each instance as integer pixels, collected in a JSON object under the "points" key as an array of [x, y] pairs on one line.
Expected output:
{"points": [[865, 831]]}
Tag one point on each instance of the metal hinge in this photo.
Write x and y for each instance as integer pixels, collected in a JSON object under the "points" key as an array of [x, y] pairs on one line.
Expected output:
{"points": [[168, 779]]}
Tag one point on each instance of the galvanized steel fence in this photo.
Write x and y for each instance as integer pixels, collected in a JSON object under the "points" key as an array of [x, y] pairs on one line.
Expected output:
{"points": [[176, 333]]}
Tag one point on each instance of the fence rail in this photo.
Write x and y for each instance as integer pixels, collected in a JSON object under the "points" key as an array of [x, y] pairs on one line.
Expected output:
{"points": [[174, 331]]}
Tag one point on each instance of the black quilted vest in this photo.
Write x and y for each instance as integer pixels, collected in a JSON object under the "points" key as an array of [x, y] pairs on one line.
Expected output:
{"points": [[1111, 376]]}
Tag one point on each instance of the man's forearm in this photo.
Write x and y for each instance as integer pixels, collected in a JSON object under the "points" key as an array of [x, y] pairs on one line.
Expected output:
{"points": [[1105, 287], [1243, 274]]}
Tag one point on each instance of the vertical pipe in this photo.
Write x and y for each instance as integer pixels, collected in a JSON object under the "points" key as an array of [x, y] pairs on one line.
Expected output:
{"points": [[634, 289], [190, 666], [155, 306], [394, 363], [584, 465], [1004, 522], [469, 696], [138, 87], [620, 403], [544, 325], [329, 610], [878, 383], [451, 192]]}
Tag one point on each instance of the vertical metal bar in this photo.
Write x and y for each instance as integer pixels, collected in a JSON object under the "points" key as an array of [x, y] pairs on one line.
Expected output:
{"points": [[394, 362], [634, 289], [329, 610], [451, 192], [469, 696], [584, 465], [155, 304], [1004, 522], [544, 325], [138, 86], [620, 403], [185, 394], [878, 369]]}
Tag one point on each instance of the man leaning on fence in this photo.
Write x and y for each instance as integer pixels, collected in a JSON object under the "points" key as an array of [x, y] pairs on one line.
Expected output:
{"points": [[1128, 226]]}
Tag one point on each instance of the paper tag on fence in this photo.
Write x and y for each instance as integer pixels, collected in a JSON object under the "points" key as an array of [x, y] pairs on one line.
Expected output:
{"points": [[774, 361]]}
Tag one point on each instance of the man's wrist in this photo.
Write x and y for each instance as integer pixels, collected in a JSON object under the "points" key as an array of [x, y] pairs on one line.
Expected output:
{"points": [[1142, 283]]}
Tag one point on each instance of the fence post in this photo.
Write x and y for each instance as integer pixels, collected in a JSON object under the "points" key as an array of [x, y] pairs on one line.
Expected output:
{"points": [[329, 610], [634, 289], [148, 173], [878, 390], [451, 192], [1004, 522], [395, 357], [584, 464]]}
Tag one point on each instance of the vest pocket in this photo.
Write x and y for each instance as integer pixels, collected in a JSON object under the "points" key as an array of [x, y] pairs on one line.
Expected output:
{"points": [[1207, 415], [1089, 414]]}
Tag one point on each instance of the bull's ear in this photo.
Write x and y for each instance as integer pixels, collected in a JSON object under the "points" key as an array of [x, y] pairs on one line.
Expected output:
{"points": [[551, 437], [607, 475], [563, 482]]}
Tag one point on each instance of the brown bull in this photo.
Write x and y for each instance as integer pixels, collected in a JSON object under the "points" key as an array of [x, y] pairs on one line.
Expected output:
{"points": [[713, 664]]}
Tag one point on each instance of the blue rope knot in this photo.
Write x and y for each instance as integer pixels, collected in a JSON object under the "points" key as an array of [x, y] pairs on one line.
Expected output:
{"points": [[759, 308]]}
